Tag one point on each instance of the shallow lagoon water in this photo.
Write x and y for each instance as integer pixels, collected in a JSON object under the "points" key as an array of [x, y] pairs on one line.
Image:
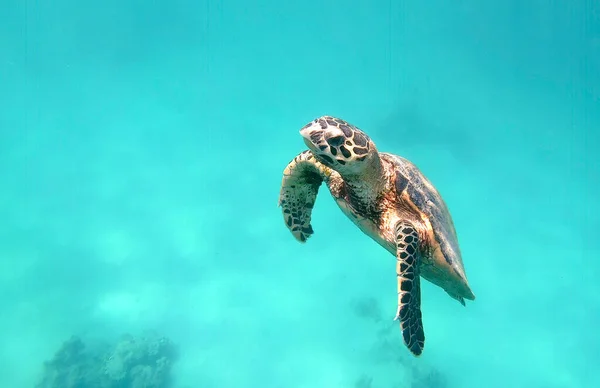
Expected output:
{"points": [[141, 152]]}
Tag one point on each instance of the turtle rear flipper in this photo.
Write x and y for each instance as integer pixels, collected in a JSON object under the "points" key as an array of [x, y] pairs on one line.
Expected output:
{"points": [[302, 178], [409, 287]]}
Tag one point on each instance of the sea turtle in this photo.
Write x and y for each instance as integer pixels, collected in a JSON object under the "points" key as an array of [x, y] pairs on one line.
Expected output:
{"points": [[390, 200]]}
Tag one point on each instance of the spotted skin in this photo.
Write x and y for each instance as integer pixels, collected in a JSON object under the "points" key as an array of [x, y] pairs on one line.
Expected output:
{"points": [[390, 200], [409, 287], [338, 143]]}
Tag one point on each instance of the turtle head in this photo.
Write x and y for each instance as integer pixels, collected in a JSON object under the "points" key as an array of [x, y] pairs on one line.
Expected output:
{"points": [[340, 145]]}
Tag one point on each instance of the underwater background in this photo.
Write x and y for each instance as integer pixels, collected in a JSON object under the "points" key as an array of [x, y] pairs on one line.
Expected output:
{"points": [[142, 145]]}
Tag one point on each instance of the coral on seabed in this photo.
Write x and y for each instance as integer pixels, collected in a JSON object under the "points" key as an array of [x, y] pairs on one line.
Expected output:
{"points": [[131, 363]]}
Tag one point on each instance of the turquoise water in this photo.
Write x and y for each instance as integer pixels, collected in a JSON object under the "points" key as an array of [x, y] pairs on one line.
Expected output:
{"points": [[142, 146]]}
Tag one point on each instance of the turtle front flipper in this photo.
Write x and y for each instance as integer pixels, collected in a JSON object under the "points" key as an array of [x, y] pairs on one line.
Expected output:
{"points": [[302, 178], [409, 287]]}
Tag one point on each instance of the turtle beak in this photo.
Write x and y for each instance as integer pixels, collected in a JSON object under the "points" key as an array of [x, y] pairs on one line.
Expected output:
{"points": [[307, 134], [309, 144]]}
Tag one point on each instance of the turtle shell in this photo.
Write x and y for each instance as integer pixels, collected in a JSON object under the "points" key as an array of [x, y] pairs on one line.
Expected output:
{"points": [[425, 197]]}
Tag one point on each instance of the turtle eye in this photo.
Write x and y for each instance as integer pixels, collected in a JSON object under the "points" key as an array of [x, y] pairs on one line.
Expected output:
{"points": [[315, 137], [335, 141]]}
